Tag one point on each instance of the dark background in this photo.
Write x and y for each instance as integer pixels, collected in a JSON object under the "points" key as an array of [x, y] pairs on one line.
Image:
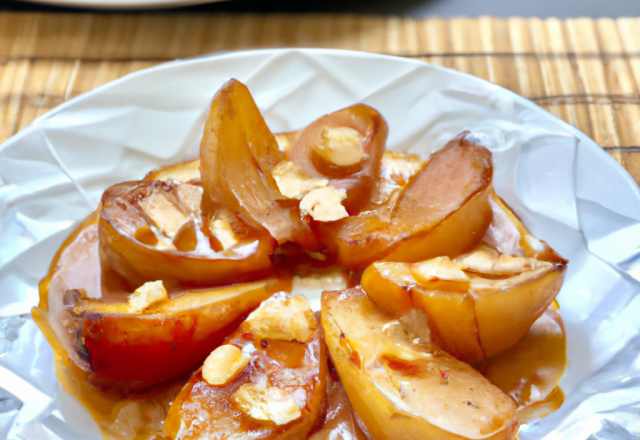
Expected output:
{"points": [[416, 8]]}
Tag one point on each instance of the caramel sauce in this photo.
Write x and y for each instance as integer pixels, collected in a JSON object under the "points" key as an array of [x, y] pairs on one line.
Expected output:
{"points": [[119, 415], [530, 370]]}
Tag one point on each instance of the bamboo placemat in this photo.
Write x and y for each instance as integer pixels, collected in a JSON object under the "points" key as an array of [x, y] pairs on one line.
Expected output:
{"points": [[584, 71]]}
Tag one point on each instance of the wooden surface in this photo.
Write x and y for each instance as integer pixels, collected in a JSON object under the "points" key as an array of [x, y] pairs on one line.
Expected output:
{"points": [[584, 71]]}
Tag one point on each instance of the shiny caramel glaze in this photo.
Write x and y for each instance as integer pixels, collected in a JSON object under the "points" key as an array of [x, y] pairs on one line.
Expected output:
{"points": [[442, 210], [101, 335], [402, 385], [531, 369], [203, 262], [122, 362], [296, 367]]}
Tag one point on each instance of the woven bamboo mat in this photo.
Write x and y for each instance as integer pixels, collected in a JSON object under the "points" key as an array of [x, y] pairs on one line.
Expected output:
{"points": [[584, 71]]}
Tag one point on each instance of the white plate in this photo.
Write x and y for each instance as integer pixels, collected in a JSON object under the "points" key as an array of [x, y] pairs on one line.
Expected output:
{"points": [[566, 189], [123, 4]]}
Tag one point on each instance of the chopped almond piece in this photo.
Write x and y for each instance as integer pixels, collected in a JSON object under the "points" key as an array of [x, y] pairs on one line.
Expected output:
{"points": [[190, 197], [221, 229], [486, 260], [341, 146], [399, 167], [283, 318], [163, 213], [147, 295], [323, 204], [264, 402], [293, 182], [224, 364], [439, 268]]}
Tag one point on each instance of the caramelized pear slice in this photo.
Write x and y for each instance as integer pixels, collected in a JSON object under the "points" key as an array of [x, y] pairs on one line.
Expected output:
{"points": [[278, 395], [476, 317], [153, 230], [189, 171], [167, 339], [443, 210], [400, 384], [531, 370], [508, 235], [340, 421], [100, 331], [237, 154], [119, 414], [344, 147]]}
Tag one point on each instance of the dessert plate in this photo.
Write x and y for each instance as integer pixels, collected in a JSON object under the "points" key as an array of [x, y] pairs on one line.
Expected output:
{"points": [[566, 189]]}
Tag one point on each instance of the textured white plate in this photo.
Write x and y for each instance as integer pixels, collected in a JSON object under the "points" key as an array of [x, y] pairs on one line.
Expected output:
{"points": [[565, 188]]}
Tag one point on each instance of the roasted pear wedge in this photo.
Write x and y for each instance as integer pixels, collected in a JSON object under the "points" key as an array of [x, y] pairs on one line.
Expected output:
{"points": [[237, 155], [479, 304], [154, 230], [400, 384], [443, 210], [168, 338], [145, 338], [118, 413], [344, 147], [531, 370], [189, 171], [267, 381], [508, 235]]}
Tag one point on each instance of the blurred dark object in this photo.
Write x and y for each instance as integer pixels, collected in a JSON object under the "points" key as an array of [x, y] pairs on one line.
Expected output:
{"points": [[415, 8]]}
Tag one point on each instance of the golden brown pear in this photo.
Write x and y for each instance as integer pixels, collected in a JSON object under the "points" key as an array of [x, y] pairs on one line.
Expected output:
{"points": [[277, 395], [443, 210], [237, 154], [346, 148], [400, 384], [154, 230]]}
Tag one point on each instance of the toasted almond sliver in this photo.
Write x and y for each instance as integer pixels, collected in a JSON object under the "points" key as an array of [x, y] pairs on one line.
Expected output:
{"points": [[163, 213], [221, 229], [150, 293], [341, 146], [293, 182], [488, 261], [439, 268], [224, 364], [190, 197], [398, 166], [263, 402], [324, 204], [283, 318]]}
